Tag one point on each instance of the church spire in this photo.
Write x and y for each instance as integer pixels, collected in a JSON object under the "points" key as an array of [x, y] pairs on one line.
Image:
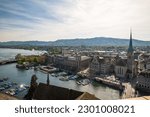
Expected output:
{"points": [[130, 49]]}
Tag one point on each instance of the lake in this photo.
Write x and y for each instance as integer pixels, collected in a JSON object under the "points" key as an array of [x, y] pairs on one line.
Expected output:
{"points": [[24, 76]]}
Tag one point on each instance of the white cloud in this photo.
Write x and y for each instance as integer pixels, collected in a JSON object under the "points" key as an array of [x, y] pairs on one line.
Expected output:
{"points": [[88, 18]]}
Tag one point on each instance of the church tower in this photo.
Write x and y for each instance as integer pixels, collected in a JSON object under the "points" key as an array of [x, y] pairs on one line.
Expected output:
{"points": [[130, 58]]}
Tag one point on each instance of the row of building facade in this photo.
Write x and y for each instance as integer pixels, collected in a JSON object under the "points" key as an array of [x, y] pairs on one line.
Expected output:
{"points": [[132, 65]]}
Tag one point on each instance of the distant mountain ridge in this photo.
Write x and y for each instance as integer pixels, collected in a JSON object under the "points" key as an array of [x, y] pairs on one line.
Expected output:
{"points": [[97, 41]]}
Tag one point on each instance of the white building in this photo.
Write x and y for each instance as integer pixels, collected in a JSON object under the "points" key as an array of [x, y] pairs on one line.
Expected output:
{"points": [[121, 68]]}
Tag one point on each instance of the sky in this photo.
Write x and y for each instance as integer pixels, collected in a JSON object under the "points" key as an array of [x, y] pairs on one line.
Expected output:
{"points": [[50, 20]]}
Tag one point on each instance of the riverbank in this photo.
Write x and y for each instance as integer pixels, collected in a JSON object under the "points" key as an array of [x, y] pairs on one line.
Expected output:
{"points": [[111, 83], [21, 76], [3, 62]]}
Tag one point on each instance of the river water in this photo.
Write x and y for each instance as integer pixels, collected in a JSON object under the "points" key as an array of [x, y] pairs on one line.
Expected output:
{"points": [[24, 76]]}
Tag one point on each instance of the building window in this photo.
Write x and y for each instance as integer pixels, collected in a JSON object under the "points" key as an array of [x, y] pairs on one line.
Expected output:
{"points": [[120, 70]]}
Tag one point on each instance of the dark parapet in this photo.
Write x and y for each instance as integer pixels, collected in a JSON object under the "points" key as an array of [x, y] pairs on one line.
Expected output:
{"points": [[33, 86], [45, 92], [50, 92]]}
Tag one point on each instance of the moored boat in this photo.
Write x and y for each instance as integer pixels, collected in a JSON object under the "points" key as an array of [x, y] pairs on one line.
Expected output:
{"points": [[64, 78]]}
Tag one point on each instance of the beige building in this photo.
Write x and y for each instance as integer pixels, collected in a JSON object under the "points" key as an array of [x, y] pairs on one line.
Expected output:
{"points": [[72, 63], [95, 66], [143, 62], [101, 65], [121, 68]]}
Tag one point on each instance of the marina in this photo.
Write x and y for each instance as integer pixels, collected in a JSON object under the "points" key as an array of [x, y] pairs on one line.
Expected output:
{"points": [[13, 88], [24, 77]]}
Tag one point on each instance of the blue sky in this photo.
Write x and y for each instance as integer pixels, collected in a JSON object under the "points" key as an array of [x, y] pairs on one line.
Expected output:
{"points": [[48, 20]]}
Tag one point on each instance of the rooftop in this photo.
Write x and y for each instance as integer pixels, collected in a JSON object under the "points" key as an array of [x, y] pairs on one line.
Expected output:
{"points": [[140, 98], [50, 92]]}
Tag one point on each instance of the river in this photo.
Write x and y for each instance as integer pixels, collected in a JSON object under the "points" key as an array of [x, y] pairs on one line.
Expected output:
{"points": [[24, 76]]}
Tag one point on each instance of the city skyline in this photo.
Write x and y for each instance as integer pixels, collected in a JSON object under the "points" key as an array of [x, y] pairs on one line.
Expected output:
{"points": [[67, 19]]}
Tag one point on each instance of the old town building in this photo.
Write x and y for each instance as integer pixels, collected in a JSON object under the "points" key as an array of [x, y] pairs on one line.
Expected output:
{"points": [[102, 65], [143, 80], [126, 67], [72, 63]]}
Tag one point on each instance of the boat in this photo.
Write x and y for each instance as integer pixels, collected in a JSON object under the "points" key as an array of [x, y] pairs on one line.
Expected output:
{"points": [[3, 79], [10, 92], [56, 75], [73, 77], [26, 86], [22, 86], [19, 89], [2, 88], [64, 78], [27, 68], [83, 82], [53, 74], [79, 82], [62, 74], [6, 86], [13, 83], [35, 68]]}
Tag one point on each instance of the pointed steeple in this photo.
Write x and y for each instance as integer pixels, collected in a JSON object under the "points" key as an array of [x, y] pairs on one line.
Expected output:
{"points": [[130, 49], [48, 79]]}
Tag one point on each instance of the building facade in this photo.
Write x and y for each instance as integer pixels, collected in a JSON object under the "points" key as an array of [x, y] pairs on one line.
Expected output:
{"points": [[126, 67], [101, 65], [143, 80], [121, 67], [71, 63], [143, 77]]}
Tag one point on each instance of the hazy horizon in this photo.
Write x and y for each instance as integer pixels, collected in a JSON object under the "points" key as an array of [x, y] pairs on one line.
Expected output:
{"points": [[50, 20], [73, 39]]}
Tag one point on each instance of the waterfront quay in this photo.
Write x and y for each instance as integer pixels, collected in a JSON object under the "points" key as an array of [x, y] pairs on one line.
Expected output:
{"points": [[112, 83], [47, 69], [3, 62], [23, 76]]}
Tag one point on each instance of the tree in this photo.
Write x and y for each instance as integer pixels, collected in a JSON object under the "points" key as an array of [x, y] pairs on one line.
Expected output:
{"points": [[18, 56], [35, 60]]}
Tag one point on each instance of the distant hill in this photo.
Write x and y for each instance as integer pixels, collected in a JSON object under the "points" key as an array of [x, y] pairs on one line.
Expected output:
{"points": [[97, 41], [100, 41], [24, 43]]}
